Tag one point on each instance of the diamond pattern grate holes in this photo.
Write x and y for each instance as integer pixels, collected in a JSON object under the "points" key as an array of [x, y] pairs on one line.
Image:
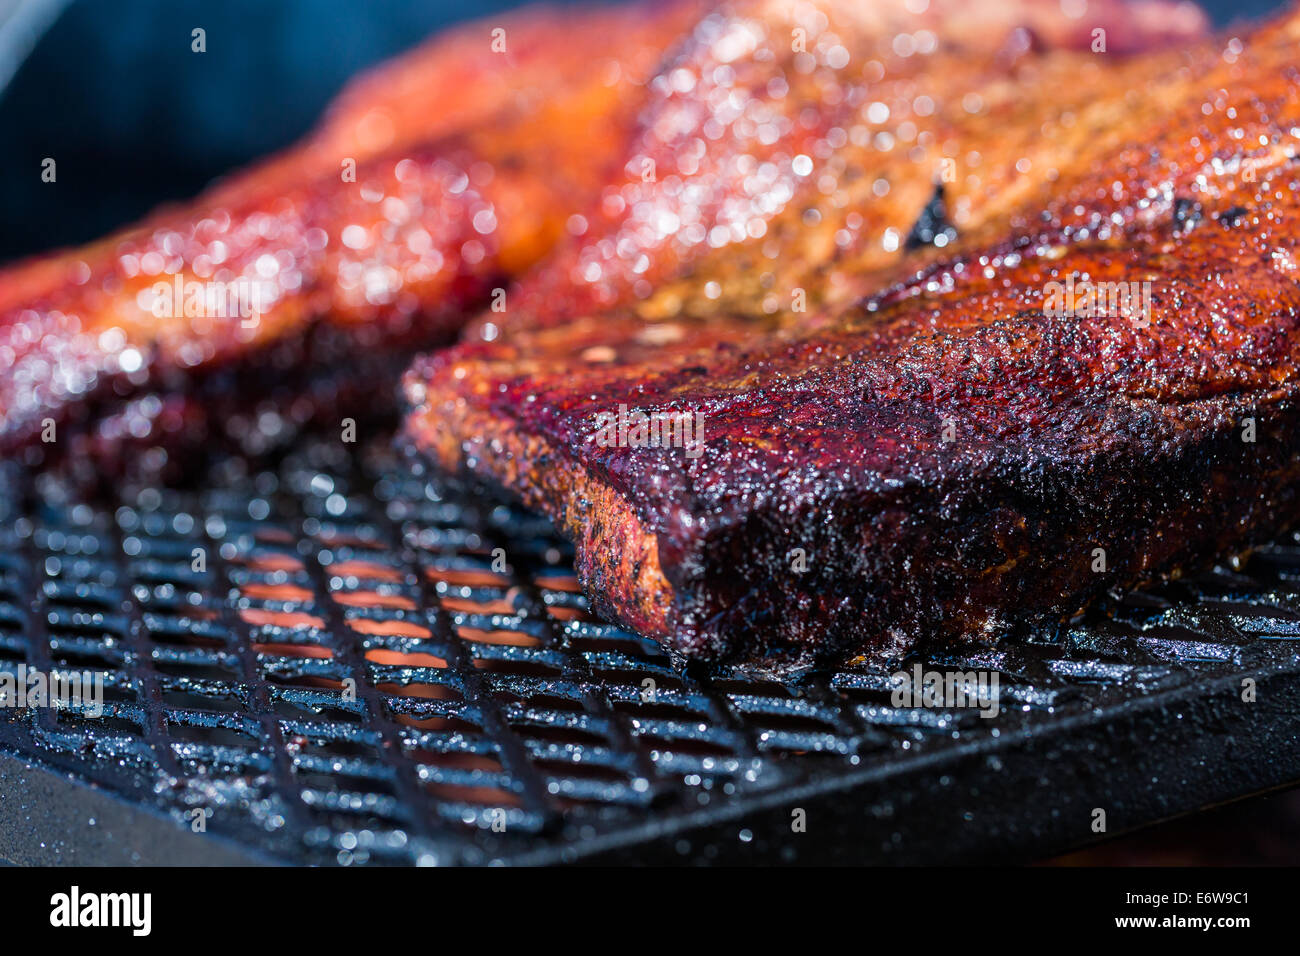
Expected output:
{"points": [[368, 667]]}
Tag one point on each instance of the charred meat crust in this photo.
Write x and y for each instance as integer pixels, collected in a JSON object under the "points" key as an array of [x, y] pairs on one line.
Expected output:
{"points": [[585, 507], [171, 427], [984, 537], [1000, 539]]}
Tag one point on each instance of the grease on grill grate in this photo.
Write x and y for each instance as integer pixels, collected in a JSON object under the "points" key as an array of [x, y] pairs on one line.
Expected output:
{"points": [[365, 667]]}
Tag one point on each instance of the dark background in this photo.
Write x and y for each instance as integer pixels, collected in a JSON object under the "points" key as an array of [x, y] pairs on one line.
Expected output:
{"points": [[132, 117], [112, 91]]}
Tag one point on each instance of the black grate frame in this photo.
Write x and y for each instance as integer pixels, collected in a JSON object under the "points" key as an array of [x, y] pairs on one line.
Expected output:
{"points": [[353, 677]]}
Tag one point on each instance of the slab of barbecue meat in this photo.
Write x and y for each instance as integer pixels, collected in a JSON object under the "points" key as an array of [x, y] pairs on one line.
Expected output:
{"points": [[1075, 369], [309, 280], [764, 92]]}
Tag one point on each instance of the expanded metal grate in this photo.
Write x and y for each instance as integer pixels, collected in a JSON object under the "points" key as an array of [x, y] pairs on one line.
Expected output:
{"points": [[344, 661]]}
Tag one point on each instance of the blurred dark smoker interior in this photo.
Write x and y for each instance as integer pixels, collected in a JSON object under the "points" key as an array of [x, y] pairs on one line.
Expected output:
{"points": [[113, 90]]}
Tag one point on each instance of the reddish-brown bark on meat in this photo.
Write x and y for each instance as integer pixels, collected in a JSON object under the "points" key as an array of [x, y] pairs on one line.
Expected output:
{"points": [[948, 452]]}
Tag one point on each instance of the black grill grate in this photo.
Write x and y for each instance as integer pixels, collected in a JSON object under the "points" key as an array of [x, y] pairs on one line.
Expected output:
{"points": [[352, 676]]}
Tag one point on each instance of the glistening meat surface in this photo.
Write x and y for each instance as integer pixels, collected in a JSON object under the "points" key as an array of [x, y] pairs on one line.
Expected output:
{"points": [[296, 291]]}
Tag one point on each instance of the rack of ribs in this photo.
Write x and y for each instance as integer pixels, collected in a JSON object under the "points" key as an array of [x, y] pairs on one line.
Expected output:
{"points": [[893, 414], [297, 286]]}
